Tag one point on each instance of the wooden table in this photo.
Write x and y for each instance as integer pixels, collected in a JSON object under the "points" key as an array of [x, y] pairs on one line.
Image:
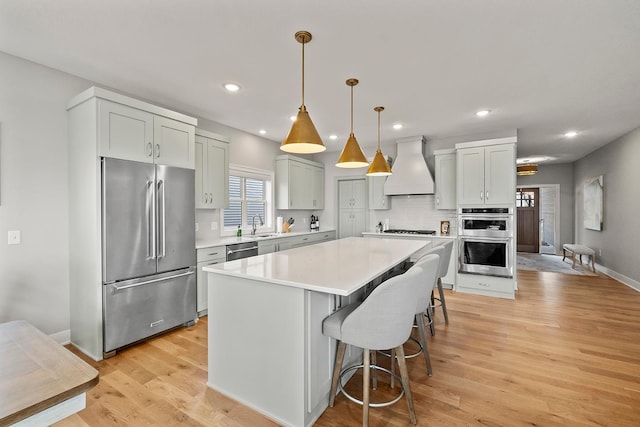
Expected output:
{"points": [[41, 382]]}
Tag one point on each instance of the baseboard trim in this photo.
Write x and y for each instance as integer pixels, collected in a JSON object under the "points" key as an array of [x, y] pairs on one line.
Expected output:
{"points": [[633, 284], [62, 337]]}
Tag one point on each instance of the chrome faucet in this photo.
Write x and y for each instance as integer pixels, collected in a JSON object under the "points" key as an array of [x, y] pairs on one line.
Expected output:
{"points": [[253, 225]]}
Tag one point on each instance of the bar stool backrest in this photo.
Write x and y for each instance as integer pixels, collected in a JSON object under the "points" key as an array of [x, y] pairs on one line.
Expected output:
{"points": [[385, 318], [425, 299], [445, 257]]}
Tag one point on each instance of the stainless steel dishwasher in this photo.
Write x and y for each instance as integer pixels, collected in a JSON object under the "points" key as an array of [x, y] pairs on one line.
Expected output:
{"points": [[241, 250]]}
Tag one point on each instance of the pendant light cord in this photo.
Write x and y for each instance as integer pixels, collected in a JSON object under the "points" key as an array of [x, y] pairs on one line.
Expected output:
{"points": [[378, 130], [303, 42], [351, 109]]}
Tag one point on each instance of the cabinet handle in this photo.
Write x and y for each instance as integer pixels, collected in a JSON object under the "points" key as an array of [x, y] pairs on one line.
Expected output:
{"points": [[149, 149], [157, 150], [437, 200], [213, 253], [487, 196], [481, 195]]}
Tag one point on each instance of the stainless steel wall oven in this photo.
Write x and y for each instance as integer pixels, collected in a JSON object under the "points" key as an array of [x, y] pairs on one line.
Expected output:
{"points": [[485, 241]]}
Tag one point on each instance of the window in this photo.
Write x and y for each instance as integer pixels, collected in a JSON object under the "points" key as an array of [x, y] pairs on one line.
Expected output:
{"points": [[250, 200], [525, 199]]}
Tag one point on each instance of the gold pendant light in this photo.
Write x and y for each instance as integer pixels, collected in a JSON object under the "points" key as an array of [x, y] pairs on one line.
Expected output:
{"points": [[303, 138], [379, 165], [352, 155], [527, 169]]}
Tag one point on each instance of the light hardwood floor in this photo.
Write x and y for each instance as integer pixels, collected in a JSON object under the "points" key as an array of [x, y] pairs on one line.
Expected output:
{"points": [[566, 352]]}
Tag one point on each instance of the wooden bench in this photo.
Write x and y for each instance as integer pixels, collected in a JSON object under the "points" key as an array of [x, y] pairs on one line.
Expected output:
{"points": [[580, 250]]}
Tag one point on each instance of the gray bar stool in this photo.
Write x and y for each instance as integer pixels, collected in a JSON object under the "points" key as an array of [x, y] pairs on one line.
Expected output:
{"points": [[443, 269], [383, 320], [430, 261]]}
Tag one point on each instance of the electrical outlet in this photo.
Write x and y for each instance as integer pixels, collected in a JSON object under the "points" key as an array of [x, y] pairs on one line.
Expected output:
{"points": [[14, 237], [599, 252], [214, 225], [197, 227]]}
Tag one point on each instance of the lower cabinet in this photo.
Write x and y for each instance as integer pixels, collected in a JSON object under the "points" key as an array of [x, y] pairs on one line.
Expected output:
{"points": [[486, 285], [284, 243], [205, 257]]}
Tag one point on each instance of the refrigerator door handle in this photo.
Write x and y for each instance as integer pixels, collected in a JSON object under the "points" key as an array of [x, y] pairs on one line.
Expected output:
{"points": [[161, 220], [151, 240], [147, 282]]}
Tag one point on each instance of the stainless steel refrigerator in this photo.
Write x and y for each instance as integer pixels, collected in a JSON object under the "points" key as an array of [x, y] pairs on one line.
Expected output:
{"points": [[148, 250]]}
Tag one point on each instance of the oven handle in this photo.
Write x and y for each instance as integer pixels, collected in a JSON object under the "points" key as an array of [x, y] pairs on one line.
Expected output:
{"points": [[486, 239]]}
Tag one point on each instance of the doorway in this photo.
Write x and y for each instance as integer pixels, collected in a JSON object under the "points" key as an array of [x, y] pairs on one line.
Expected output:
{"points": [[545, 199], [528, 214]]}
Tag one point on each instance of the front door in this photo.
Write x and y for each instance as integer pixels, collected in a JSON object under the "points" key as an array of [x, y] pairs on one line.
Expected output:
{"points": [[528, 214]]}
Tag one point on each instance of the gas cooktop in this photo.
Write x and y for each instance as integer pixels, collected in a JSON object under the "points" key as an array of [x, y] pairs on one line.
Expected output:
{"points": [[399, 231]]}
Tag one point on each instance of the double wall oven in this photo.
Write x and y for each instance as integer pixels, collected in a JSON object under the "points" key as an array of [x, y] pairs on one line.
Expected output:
{"points": [[486, 241]]}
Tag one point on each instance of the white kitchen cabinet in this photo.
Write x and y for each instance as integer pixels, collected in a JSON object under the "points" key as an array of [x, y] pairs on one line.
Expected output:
{"points": [[352, 194], [212, 170], [130, 133], [445, 179], [282, 243], [108, 124], [377, 199], [486, 174], [352, 223], [205, 257], [318, 187], [299, 183], [486, 285]]}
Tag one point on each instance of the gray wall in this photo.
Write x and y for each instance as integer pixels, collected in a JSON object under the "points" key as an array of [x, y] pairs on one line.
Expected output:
{"points": [[618, 241], [34, 275], [561, 174]]}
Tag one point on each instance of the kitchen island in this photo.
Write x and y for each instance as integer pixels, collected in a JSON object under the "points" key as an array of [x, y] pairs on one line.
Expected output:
{"points": [[266, 347]]}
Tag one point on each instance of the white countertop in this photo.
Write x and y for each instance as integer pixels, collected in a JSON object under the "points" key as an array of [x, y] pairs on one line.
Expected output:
{"points": [[408, 236], [201, 244], [338, 267]]}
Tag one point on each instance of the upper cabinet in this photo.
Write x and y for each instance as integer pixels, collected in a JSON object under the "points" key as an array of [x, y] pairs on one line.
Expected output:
{"points": [[299, 183], [445, 179], [130, 129], [352, 194], [212, 170], [486, 174], [377, 198]]}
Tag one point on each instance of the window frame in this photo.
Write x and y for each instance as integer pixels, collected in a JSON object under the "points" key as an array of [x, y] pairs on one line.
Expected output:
{"points": [[245, 172]]}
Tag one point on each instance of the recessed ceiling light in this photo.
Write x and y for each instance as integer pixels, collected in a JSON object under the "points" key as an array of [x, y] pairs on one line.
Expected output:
{"points": [[397, 126], [483, 113], [571, 134], [262, 131], [333, 136], [231, 87]]}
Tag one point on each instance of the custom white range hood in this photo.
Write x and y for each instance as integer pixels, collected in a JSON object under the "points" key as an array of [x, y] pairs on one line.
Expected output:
{"points": [[410, 171]]}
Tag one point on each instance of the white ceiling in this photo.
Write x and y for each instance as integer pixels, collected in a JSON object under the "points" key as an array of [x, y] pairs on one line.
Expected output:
{"points": [[541, 66]]}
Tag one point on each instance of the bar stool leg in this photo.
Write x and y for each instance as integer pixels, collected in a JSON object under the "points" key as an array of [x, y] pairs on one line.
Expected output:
{"points": [[336, 371], [393, 367], [404, 375], [374, 377], [423, 341], [366, 371], [442, 301]]}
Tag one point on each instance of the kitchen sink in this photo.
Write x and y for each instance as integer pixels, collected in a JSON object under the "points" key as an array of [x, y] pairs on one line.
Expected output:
{"points": [[266, 235]]}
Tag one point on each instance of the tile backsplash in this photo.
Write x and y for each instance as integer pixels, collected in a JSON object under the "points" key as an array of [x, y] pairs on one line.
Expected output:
{"points": [[415, 212]]}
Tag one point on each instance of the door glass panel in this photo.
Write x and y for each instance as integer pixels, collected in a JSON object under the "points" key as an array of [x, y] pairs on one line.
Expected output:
{"points": [[525, 199]]}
